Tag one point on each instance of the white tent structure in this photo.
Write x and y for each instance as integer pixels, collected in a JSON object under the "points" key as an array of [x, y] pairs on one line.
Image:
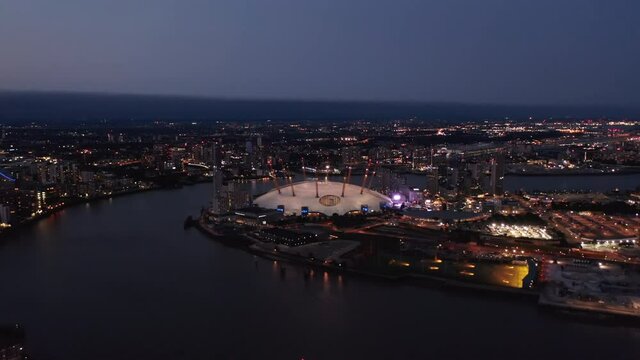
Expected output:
{"points": [[322, 196]]}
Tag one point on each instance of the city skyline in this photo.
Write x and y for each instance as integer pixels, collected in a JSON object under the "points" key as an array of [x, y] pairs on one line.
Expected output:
{"points": [[107, 222]]}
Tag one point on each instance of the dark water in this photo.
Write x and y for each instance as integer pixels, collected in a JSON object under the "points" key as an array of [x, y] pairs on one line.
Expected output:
{"points": [[121, 279], [602, 183]]}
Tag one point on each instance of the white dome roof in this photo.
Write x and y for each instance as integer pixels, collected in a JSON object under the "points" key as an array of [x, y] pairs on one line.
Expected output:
{"points": [[329, 201]]}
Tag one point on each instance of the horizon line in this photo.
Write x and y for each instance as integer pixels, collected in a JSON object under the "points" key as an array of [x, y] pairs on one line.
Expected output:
{"points": [[308, 100]]}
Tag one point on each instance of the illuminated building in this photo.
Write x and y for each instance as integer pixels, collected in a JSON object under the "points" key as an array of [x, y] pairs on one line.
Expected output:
{"points": [[325, 197]]}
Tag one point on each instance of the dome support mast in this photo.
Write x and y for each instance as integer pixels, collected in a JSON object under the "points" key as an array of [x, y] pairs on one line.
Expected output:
{"points": [[346, 180], [317, 194], [275, 176], [304, 171], [364, 180], [287, 177]]}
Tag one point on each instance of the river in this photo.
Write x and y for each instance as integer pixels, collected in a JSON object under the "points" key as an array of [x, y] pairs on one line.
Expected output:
{"points": [[122, 279]]}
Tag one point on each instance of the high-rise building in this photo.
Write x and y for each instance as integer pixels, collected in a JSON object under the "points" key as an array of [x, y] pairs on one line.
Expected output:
{"points": [[5, 214], [350, 155], [497, 165], [233, 197], [433, 182], [216, 208]]}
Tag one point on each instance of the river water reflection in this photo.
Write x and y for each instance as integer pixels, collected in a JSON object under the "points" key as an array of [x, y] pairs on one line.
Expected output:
{"points": [[122, 279]]}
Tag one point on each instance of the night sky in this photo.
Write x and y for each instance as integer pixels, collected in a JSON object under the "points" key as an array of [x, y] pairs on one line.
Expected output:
{"points": [[489, 51]]}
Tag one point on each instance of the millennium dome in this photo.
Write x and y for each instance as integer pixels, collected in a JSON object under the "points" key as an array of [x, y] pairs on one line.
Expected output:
{"points": [[326, 197]]}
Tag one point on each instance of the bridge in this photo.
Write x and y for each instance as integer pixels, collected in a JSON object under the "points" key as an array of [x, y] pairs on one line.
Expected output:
{"points": [[7, 177], [198, 165]]}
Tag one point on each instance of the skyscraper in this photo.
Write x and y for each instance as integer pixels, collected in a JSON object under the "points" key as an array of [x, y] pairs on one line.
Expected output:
{"points": [[497, 174], [216, 182]]}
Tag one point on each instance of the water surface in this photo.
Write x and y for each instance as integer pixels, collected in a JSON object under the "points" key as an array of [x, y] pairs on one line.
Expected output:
{"points": [[122, 279]]}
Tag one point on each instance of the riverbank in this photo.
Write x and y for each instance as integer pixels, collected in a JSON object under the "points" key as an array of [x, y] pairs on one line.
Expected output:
{"points": [[549, 301], [83, 201], [245, 244], [68, 204], [633, 171]]}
